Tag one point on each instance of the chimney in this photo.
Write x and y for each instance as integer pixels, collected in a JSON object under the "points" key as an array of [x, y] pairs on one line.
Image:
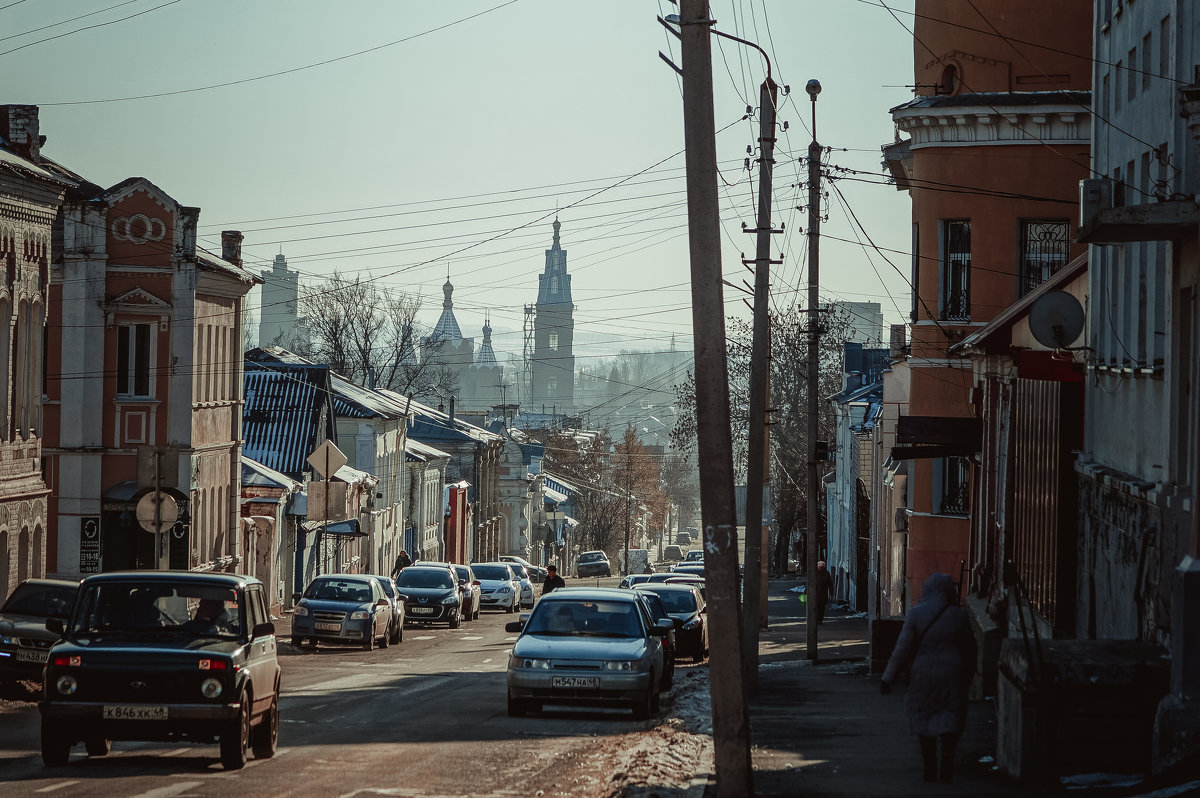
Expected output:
{"points": [[451, 408], [231, 246], [19, 128], [898, 346]]}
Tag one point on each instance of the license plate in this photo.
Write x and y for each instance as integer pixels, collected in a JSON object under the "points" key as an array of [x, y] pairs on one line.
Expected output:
{"points": [[576, 681], [423, 610], [134, 713], [32, 656], [328, 627]]}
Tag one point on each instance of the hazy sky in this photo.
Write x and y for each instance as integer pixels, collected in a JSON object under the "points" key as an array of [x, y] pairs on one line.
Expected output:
{"points": [[453, 142]]}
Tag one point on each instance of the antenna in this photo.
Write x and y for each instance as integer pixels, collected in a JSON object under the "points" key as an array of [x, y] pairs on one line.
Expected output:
{"points": [[1056, 319]]}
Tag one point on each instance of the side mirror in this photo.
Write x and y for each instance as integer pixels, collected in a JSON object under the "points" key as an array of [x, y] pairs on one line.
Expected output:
{"points": [[264, 629], [296, 598], [382, 603], [663, 627], [55, 625], [401, 597], [514, 626]]}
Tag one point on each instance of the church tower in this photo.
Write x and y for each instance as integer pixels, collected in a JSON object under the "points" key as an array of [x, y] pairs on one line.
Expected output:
{"points": [[553, 374]]}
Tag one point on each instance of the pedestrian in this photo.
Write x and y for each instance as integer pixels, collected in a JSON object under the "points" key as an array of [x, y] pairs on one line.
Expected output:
{"points": [[938, 649], [821, 590], [553, 580], [402, 562]]}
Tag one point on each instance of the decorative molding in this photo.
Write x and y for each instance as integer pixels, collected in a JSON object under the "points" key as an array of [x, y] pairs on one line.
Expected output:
{"points": [[138, 301], [969, 126]]}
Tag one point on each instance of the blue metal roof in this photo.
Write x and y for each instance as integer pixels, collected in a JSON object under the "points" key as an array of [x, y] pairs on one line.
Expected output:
{"points": [[287, 413]]}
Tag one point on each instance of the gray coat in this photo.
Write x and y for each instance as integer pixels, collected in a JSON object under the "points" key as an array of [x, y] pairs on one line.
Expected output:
{"points": [[937, 646]]}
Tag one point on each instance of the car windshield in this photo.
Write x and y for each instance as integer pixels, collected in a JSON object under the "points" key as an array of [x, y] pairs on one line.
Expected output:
{"points": [[695, 554], [678, 600], [591, 556], [41, 601], [425, 577], [149, 609], [500, 572], [582, 618], [355, 590], [463, 572]]}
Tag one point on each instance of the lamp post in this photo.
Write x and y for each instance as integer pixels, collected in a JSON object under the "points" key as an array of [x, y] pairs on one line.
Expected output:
{"points": [[814, 332]]}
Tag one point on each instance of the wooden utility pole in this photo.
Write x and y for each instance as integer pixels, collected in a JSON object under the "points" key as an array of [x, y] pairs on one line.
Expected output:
{"points": [[760, 367], [731, 724], [814, 362]]}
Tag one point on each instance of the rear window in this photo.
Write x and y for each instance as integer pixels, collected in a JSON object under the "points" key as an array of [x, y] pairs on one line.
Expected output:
{"points": [[592, 556]]}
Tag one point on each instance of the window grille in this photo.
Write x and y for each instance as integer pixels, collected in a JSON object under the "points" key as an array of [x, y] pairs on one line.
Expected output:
{"points": [[956, 271], [1045, 248], [956, 486]]}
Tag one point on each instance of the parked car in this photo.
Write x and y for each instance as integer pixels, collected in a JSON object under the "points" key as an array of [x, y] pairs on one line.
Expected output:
{"points": [[687, 608], [432, 594], [693, 532], [24, 639], [343, 608], [634, 579], [470, 590], [163, 655], [687, 579], [522, 574], [694, 555], [592, 563], [696, 568], [396, 629], [572, 631], [500, 586], [683, 539], [673, 553], [658, 612], [536, 572]]}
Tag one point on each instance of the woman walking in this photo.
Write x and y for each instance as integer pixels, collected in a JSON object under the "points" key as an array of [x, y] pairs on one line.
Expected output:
{"points": [[937, 647]]}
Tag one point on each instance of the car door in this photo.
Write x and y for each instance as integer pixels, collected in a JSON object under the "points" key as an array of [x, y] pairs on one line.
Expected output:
{"points": [[261, 659]]}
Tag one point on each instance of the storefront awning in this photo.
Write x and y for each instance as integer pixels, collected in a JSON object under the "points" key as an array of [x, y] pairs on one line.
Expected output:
{"points": [[936, 436]]}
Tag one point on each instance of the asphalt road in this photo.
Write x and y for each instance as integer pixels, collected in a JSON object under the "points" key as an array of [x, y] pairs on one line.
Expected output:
{"points": [[425, 717]]}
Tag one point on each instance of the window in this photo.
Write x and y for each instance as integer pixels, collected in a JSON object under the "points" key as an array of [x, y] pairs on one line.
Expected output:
{"points": [[1131, 78], [1146, 45], [551, 386], [554, 284], [1118, 72], [915, 269], [133, 359], [1045, 248], [956, 269], [955, 486], [553, 342]]}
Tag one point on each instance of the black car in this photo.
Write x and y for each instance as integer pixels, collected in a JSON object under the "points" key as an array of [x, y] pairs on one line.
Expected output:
{"points": [[163, 655], [686, 606], [24, 639], [432, 594], [658, 612]]}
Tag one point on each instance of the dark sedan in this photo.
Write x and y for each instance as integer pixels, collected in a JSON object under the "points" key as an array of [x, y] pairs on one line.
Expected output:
{"points": [[433, 594], [348, 608], [686, 607], [24, 639]]}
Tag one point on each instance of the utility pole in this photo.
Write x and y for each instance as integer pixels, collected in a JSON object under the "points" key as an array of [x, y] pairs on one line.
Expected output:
{"points": [[760, 368], [731, 724], [814, 361]]}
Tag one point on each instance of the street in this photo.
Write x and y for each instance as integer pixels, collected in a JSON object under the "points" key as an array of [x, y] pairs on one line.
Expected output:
{"points": [[425, 717]]}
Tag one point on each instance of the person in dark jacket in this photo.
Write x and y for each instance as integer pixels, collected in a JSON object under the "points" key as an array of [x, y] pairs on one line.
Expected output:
{"points": [[822, 590], [553, 581], [938, 648], [402, 562]]}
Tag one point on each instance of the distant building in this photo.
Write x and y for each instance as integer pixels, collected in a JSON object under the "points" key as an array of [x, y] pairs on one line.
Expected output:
{"points": [[865, 320], [553, 367], [279, 323]]}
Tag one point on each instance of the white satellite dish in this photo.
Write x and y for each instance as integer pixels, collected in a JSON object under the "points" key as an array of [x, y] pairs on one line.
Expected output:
{"points": [[1056, 319]]}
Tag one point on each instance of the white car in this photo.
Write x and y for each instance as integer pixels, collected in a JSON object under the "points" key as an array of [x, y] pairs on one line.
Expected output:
{"points": [[536, 572], [499, 586], [522, 574]]}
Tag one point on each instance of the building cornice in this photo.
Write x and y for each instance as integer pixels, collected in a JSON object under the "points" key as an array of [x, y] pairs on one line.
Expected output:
{"points": [[983, 124]]}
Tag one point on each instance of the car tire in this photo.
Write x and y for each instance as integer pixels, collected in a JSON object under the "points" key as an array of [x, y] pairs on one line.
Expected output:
{"points": [[385, 639], [369, 640], [97, 746], [517, 708], [456, 619], [398, 635], [643, 707], [509, 609], [235, 741], [655, 698], [475, 614], [56, 749], [265, 737]]}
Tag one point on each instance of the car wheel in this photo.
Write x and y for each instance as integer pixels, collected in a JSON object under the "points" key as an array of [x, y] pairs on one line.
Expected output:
{"points": [[517, 708], [385, 639], [475, 614], [669, 674], [56, 749], [235, 742], [397, 635], [369, 640], [643, 707], [265, 737], [97, 746], [456, 619], [655, 698]]}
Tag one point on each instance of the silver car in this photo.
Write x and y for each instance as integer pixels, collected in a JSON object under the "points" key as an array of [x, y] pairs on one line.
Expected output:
{"points": [[522, 574], [587, 647], [499, 585]]}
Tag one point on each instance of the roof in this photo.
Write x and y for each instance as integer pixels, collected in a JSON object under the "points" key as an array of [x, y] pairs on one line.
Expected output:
{"points": [[353, 476], [435, 426], [446, 328], [285, 415], [998, 99], [232, 580], [421, 452], [16, 162], [558, 484], [988, 337], [210, 262], [554, 495], [255, 473], [351, 400]]}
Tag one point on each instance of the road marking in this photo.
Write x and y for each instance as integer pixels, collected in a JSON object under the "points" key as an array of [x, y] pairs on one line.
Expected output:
{"points": [[422, 637], [59, 786], [486, 661], [472, 637], [510, 640], [171, 789]]}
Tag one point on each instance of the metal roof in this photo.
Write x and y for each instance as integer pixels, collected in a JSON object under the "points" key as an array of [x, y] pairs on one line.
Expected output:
{"points": [[255, 473], [286, 415]]}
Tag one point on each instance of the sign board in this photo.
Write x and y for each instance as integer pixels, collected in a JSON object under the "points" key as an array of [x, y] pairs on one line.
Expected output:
{"points": [[316, 500], [157, 507], [89, 544], [327, 459]]}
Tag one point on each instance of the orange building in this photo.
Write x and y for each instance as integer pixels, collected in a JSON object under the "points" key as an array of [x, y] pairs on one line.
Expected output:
{"points": [[997, 141]]}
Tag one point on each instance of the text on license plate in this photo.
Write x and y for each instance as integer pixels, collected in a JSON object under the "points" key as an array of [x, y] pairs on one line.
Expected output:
{"points": [[33, 656], [423, 610], [134, 713], [576, 681], [328, 627]]}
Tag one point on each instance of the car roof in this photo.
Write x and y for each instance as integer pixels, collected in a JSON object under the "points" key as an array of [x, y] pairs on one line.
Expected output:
{"points": [[656, 586], [593, 552], [51, 582], [343, 576], [152, 576], [588, 593]]}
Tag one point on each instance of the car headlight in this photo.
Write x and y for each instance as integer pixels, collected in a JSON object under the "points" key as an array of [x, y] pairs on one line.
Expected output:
{"points": [[504, 589], [450, 600], [694, 623], [300, 610], [211, 688], [528, 663], [5, 640], [625, 665], [66, 684], [359, 615]]}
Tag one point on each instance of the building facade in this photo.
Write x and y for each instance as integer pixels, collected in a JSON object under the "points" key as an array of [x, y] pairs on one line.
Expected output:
{"points": [[553, 362]]}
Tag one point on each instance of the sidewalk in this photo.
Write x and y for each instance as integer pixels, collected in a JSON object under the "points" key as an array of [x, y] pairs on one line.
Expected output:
{"points": [[823, 729]]}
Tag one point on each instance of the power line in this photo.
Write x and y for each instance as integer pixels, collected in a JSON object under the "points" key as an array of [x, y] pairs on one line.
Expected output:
{"points": [[86, 27]]}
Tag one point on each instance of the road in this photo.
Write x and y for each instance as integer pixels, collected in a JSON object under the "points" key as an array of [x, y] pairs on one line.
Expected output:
{"points": [[426, 717]]}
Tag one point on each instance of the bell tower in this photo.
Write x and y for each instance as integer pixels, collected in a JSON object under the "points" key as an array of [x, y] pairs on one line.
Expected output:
{"points": [[554, 335]]}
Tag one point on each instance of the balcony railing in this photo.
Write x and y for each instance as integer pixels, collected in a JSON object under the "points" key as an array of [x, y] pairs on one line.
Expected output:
{"points": [[956, 500], [956, 305]]}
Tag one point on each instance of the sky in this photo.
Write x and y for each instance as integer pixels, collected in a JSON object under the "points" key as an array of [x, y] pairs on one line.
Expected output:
{"points": [[407, 141]]}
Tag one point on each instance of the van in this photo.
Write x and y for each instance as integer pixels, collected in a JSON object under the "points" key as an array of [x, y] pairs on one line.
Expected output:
{"points": [[672, 553], [639, 562], [683, 539]]}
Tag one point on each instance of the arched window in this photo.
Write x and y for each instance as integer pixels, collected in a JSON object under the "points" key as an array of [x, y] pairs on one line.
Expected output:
{"points": [[553, 342], [5, 562], [39, 554], [23, 556], [5, 367]]}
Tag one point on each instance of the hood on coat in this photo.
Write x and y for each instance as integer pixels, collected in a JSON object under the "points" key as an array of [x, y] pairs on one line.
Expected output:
{"points": [[939, 588]]}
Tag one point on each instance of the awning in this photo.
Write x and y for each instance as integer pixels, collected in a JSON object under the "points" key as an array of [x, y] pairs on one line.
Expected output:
{"points": [[571, 522], [341, 529], [554, 496], [936, 436]]}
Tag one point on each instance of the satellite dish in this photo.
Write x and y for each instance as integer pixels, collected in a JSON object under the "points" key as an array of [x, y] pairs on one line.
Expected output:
{"points": [[1056, 319]]}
